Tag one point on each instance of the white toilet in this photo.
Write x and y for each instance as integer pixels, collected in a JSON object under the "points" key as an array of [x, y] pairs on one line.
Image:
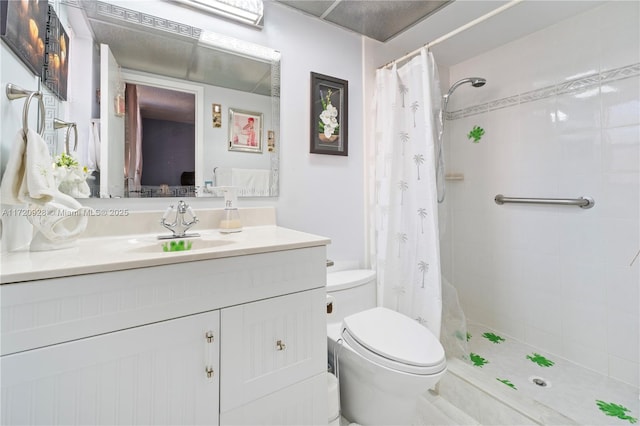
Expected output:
{"points": [[386, 360]]}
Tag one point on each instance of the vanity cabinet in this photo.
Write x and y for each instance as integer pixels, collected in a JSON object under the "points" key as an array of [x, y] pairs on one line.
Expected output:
{"points": [[228, 341], [271, 355], [163, 373]]}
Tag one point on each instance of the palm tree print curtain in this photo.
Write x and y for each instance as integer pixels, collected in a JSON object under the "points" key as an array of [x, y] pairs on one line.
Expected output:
{"points": [[407, 253]]}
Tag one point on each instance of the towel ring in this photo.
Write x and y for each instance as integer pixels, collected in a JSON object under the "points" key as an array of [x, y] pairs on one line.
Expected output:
{"points": [[59, 124], [14, 92]]}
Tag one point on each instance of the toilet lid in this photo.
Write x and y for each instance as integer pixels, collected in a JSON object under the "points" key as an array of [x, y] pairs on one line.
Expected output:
{"points": [[394, 340]]}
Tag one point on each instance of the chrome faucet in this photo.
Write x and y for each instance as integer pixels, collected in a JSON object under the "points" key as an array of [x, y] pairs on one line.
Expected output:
{"points": [[180, 225]]}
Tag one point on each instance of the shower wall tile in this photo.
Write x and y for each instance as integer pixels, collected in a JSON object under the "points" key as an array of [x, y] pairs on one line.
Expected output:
{"points": [[619, 27], [624, 370], [542, 313], [621, 149], [582, 237], [561, 52], [579, 110], [623, 290], [494, 66], [620, 102], [561, 114], [623, 241], [542, 339], [592, 356], [580, 152], [619, 199], [621, 343]]}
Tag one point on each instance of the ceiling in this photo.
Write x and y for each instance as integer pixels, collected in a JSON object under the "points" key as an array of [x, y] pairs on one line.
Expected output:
{"points": [[171, 49], [379, 20], [403, 26], [164, 104]]}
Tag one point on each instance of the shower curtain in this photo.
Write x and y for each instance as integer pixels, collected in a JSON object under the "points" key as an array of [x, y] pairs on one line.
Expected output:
{"points": [[407, 257]]}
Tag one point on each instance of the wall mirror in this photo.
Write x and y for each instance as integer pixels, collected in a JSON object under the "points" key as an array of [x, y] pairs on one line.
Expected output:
{"points": [[159, 95]]}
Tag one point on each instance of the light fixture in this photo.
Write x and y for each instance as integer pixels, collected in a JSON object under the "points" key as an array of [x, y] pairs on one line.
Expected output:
{"points": [[246, 11]]}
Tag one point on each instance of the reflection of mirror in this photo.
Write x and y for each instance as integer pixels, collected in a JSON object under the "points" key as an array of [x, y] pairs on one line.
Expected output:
{"points": [[155, 52]]}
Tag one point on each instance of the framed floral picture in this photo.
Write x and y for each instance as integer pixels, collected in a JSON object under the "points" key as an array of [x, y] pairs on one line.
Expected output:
{"points": [[245, 130], [329, 107]]}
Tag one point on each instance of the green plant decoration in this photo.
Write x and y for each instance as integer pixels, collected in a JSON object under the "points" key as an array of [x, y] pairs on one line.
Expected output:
{"points": [[508, 383], [476, 134], [469, 336], [540, 360], [615, 410], [494, 338], [477, 360], [65, 160]]}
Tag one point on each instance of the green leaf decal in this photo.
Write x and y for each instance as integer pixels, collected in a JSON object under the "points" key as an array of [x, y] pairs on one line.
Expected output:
{"points": [[476, 134], [615, 410], [540, 360], [508, 383], [468, 337], [493, 337], [477, 360]]}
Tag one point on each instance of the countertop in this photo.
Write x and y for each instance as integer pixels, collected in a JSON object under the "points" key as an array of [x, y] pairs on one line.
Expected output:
{"points": [[113, 253]]}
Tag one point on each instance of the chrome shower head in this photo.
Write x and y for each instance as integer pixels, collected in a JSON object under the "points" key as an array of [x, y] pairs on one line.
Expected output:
{"points": [[478, 82], [475, 82]]}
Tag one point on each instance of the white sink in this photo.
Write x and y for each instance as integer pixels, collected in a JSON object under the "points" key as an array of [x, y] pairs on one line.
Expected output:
{"points": [[175, 245]]}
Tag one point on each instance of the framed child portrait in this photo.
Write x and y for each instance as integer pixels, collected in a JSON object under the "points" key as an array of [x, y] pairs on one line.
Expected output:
{"points": [[245, 130]]}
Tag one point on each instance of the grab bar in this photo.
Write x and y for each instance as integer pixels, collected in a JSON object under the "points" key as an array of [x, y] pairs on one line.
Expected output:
{"points": [[14, 92], [582, 202]]}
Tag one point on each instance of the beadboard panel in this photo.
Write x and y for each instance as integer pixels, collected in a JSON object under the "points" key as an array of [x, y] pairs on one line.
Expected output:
{"points": [[271, 344], [304, 403], [154, 374], [45, 312]]}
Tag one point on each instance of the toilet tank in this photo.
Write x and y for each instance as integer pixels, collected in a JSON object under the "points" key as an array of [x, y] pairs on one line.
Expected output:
{"points": [[349, 292]]}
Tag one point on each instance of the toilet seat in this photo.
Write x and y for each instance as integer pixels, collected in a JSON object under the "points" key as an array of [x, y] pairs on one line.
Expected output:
{"points": [[394, 340]]}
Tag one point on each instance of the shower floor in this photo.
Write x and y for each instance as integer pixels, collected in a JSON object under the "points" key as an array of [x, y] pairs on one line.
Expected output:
{"points": [[577, 393]]}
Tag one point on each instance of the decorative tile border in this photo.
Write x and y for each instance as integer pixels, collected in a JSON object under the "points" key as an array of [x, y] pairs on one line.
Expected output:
{"points": [[123, 14], [546, 92], [136, 17]]}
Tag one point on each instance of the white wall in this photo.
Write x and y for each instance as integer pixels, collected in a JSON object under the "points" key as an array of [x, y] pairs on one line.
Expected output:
{"points": [[560, 278]]}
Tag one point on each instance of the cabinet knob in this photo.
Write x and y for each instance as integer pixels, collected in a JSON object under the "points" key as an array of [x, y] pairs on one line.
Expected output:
{"points": [[209, 372], [280, 346], [209, 336]]}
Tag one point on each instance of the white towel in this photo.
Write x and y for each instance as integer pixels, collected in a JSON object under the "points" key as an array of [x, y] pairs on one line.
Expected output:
{"points": [[64, 221], [251, 182], [28, 177], [223, 176]]}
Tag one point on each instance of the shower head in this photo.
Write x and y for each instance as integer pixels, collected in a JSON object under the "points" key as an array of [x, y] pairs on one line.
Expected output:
{"points": [[478, 82], [475, 82]]}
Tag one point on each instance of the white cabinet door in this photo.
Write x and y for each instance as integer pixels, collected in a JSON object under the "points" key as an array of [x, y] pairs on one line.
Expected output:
{"points": [[304, 403], [154, 374], [271, 344]]}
